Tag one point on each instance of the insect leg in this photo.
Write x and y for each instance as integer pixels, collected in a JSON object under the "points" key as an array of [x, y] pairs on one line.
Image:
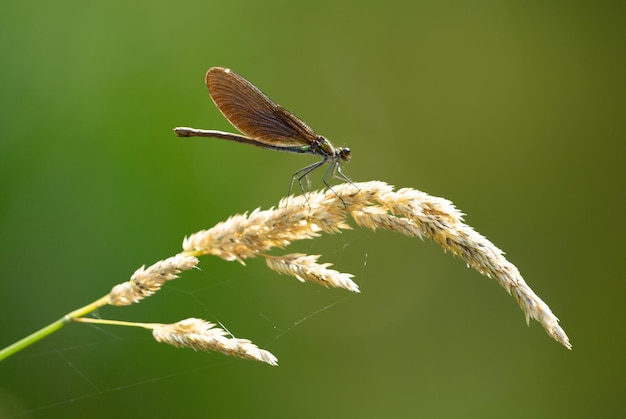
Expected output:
{"points": [[302, 173]]}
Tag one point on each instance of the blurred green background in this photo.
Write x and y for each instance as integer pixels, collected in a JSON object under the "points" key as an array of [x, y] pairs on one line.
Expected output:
{"points": [[512, 110]]}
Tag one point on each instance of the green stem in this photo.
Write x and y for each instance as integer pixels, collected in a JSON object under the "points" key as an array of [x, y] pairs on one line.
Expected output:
{"points": [[51, 328], [115, 322]]}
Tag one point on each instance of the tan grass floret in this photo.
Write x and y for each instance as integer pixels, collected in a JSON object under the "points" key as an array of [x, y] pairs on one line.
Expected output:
{"points": [[146, 282], [305, 267], [201, 335]]}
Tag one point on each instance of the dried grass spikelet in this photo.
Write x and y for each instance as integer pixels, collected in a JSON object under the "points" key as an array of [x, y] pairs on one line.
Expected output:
{"points": [[146, 281], [374, 205], [201, 335], [244, 236], [305, 267], [440, 221]]}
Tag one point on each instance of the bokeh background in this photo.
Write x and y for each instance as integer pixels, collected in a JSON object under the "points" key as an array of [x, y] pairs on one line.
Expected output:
{"points": [[513, 110]]}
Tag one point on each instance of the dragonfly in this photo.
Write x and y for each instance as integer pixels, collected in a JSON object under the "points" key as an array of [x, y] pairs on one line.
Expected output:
{"points": [[266, 124]]}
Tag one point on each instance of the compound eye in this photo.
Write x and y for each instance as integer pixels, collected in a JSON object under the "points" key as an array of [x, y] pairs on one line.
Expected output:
{"points": [[345, 154]]}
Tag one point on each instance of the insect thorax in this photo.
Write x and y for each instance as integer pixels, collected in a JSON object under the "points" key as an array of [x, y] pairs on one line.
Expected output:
{"points": [[322, 146]]}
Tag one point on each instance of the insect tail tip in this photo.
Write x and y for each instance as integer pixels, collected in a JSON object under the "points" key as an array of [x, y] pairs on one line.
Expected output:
{"points": [[181, 132]]}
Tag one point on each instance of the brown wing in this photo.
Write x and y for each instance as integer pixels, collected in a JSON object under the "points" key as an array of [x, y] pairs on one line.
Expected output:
{"points": [[253, 113]]}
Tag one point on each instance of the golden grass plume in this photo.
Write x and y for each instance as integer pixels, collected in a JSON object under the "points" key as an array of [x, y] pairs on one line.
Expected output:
{"points": [[374, 205]]}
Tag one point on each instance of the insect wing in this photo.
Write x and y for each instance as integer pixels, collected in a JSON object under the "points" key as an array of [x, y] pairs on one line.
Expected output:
{"points": [[253, 113]]}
